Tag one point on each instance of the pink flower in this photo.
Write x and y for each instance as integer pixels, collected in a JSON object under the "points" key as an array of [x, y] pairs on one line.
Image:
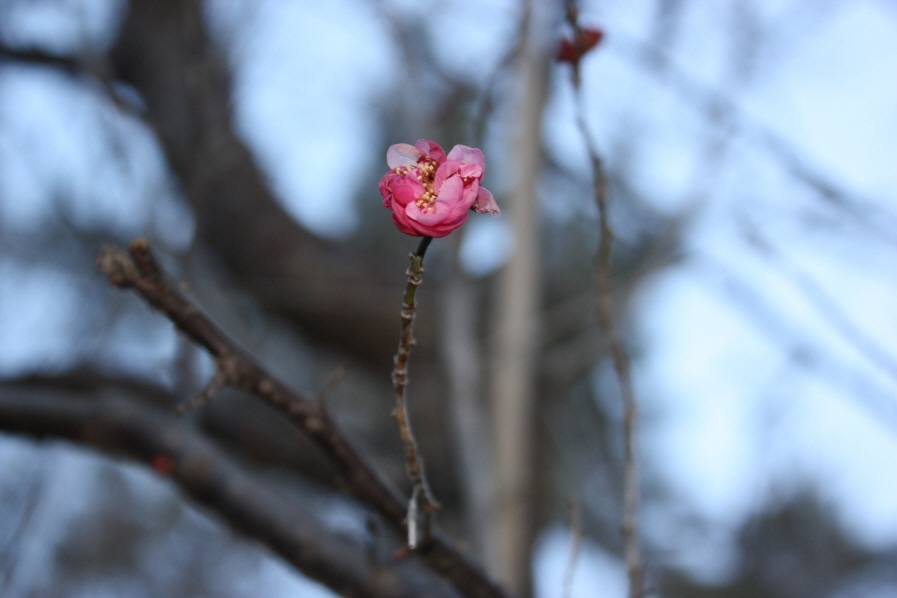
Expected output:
{"points": [[430, 193]]}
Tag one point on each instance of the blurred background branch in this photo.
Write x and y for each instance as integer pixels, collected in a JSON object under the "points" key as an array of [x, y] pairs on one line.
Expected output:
{"points": [[138, 431]]}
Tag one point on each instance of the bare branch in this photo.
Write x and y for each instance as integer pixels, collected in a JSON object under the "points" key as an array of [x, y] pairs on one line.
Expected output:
{"points": [[607, 322], [208, 476], [823, 303], [716, 107], [140, 272], [34, 56], [12, 551], [218, 382], [90, 67], [414, 463], [333, 380], [575, 546]]}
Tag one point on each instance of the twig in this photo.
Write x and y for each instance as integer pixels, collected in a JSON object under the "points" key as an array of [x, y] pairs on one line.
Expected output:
{"points": [[608, 324], [797, 344], [361, 480], [94, 67], [218, 382], [14, 548], [414, 463], [823, 303], [34, 56], [487, 100], [867, 212], [413, 534], [333, 380], [575, 546]]}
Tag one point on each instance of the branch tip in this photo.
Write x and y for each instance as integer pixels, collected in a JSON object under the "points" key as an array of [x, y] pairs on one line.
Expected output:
{"points": [[119, 269], [143, 258], [333, 380], [219, 381]]}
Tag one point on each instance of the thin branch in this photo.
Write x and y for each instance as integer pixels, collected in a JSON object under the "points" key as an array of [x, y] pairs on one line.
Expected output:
{"points": [[139, 272], [607, 322], [146, 434], [575, 546], [798, 345], [34, 56], [487, 97], [868, 213], [414, 463], [217, 383], [13, 548], [824, 303], [90, 67], [333, 380]]}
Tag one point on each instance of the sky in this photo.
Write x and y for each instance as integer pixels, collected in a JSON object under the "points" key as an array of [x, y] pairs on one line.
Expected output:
{"points": [[769, 346]]}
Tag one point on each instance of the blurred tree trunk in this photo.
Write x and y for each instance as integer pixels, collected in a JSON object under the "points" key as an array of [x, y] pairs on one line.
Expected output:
{"points": [[329, 291], [463, 353], [517, 320]]}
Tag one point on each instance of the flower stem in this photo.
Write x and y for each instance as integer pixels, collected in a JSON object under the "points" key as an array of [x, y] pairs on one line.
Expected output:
{"points": [[418, 531]]}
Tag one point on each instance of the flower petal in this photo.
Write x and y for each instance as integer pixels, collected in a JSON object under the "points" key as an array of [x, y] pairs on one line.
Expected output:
{"points": [[403, 225], [471, 170], [485, 203], [403, 154], [445, 170], [408, 191], [428, 216], [467, 155], [431, 149], [469, 196], [451, 191]]}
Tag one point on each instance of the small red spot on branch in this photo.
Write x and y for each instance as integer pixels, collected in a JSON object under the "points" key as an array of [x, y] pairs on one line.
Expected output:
{"points": [[572, 50], [400, 554], [162, 464]]}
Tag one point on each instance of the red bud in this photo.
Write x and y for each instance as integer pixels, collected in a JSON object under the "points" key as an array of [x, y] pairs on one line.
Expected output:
{"points": [[163, 464], [584, 40]]}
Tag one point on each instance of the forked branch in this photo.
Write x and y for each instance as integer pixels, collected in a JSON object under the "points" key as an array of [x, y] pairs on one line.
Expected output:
{"points": [[138, 270]]}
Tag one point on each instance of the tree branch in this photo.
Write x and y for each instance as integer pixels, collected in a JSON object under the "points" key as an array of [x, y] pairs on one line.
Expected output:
{"points": [[608, 323], [38, 57], [90, 67], [140, 272], [866, 212], [201, 470]]}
